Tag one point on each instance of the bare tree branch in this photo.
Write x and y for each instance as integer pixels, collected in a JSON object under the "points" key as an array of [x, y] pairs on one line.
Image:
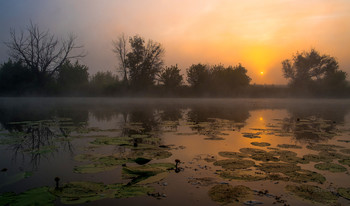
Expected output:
{"points": [[41, 51]]}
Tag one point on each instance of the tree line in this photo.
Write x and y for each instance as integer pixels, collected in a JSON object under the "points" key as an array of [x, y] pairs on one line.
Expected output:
{"points": [[42, 65]]}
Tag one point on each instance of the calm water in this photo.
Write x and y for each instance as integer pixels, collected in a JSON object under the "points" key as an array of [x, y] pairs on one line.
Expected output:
{"points": [[43, 138]]}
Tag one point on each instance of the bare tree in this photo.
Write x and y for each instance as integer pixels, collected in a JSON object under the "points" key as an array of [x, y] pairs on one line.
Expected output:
{"points": [[42, 52], [121, 50]]}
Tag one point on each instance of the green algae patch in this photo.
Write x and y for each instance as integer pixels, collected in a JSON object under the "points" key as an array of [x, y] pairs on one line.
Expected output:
{"points": [[251, 151], [278, 167], [261, 144], [345, 151], [38, 196], [289, 146], [82, 192], [247, 175], [303, 176], [344, 192], [225, 193], [323, 147], [236, 155], [312, 193], [330, 167], [233, 164]]}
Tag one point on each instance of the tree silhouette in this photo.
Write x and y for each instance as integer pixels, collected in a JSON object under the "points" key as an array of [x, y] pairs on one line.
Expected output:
{"points": [[41, 52], [120, 48], [72, 78], [311, 70], [144, 62], [171, 77], [198, 76]]}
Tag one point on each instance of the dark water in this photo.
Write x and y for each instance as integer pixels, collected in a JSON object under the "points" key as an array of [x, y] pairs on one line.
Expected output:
{"points": [[195, 129]]}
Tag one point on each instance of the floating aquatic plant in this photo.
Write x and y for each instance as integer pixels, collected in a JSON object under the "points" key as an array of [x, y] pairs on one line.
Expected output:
{"points": [[38, 196], [225, 193], [233, 164], [289, 146], [236, 155], [330, 167], [312, 193], [260, 144], [344, 192]]}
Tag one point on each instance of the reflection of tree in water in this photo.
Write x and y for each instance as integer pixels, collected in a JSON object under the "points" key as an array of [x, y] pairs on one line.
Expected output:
{"points": [[38, 139], [309, 130], [314, 122]]}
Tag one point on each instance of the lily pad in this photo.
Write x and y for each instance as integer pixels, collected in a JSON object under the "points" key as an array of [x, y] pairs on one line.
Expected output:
{"points": [[140, 173], [289, 146], [344, 192], [247, 175], [251, 135], [316, 158], [312, 193], [330, 167], [202, 181], [82, 192], [345, 151], [38, 196], [303, 176], [252, 151], [345, 161], [15, 178], [142, 161], [153, 179], [278, 167], [293, 159], [323, 147], [225, 193], [261, 144], [265, 157], [236, 155], [233, 164]]}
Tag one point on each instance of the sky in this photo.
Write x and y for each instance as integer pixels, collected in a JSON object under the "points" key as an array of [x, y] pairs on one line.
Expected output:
{"points": [[258, 34]]}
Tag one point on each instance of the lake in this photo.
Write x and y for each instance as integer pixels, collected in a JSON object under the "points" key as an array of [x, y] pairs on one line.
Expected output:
{"points": [[106, 151]]}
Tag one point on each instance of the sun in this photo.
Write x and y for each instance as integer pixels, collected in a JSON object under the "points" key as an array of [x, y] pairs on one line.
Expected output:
{"points": [[261, 73]]}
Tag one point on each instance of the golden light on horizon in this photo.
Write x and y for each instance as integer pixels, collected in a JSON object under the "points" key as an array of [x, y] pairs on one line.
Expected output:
{"points": [[261, 73]]}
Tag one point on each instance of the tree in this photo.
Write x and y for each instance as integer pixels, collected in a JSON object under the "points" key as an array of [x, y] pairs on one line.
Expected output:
{"points": [[41, 52], [120, 49], [72, 77], [309, 69], [104, 83], [15, 78], [144, 62], [171, 78], [198, 76]]}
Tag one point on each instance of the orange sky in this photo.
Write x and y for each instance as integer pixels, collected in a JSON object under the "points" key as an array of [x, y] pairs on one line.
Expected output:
{"points": [[259, 34]]}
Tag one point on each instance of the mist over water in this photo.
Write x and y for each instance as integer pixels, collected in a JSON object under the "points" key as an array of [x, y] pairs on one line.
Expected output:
{"points": [[58, 131]]}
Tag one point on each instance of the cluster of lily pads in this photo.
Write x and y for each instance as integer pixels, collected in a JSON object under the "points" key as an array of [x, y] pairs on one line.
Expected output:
{"points": [[139, 147], [213, 128]]}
